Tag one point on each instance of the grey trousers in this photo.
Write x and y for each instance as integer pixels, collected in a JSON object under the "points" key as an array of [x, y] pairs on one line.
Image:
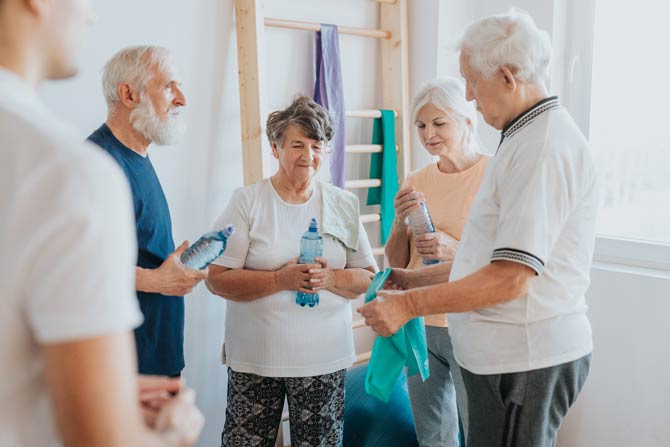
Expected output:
{"points": [[437, 401], [522, 409]]}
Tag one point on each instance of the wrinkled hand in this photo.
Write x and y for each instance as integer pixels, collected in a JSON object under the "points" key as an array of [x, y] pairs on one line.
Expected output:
{"points": [[179, 422], [321, 278], [154, 393], [405, 202], [399, 279], [174, 278], [294, 276], [388, 312], [436, 245]]}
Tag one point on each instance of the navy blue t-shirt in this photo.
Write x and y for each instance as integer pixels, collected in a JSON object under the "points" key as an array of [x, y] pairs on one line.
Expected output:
{"points": [[160, 339]]}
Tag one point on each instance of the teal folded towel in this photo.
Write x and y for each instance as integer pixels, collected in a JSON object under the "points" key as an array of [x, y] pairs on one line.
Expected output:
{"points": [[407, 347]]}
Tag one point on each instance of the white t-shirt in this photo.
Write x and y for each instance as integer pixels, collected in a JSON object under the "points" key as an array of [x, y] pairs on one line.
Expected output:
{"points": [[67, 270], [537, 206], [273, 336]]}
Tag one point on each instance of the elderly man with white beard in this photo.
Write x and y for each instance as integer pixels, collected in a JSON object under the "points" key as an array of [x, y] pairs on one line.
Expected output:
{"points": [[144, 100]]}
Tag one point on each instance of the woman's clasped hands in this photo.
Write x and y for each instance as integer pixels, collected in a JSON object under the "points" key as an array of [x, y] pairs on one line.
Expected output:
{"points": [[307, 278]]}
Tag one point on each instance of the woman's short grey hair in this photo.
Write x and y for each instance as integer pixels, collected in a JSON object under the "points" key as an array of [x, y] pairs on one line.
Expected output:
{"points": [[511, 40], [132, 65], [448, 95], [304, 113]]}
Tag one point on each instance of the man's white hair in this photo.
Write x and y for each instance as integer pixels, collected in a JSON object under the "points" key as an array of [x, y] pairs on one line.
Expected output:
{"points": [[512, 40], [448, 95], [132, 65]]}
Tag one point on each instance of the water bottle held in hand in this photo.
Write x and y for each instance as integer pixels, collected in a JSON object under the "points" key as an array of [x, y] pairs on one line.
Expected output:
{"points": [[206, 249], [311, 247], [421, 223]]}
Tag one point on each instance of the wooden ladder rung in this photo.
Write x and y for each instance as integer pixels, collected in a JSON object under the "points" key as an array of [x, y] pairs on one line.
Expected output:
{"points": [[366, 148], [369, 218], [366, 113], [314, 26], [363, 183]]}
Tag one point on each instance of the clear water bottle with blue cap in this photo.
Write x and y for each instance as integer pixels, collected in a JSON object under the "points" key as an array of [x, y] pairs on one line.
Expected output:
{"points": [[421, 223], [311, 247], [206, 249]]}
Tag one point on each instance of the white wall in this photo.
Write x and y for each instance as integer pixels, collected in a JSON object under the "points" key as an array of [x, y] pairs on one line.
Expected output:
{"points": [[625, 401], [424, 18]]}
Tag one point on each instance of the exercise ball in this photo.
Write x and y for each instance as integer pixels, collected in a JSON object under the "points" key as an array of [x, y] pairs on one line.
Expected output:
{"points": [[370, 422]]}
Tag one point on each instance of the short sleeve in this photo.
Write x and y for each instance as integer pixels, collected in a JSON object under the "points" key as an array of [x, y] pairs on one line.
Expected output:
{"points": [[362, 257], [80, 279], [534, 195], [236, 213]]}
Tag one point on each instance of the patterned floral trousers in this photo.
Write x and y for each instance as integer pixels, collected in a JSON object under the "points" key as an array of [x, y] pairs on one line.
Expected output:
{"points": [[255, 404]]}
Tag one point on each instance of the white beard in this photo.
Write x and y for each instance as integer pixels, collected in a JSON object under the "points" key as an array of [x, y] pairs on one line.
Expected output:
{"points": [[162, 131]]}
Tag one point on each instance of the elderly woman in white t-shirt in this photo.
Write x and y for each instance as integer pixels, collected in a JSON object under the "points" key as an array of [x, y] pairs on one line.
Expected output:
{"points": [[275, 348]]}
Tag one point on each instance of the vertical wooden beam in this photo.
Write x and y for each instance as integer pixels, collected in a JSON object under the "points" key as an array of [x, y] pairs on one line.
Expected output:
{"points": [[395, 77], [250, 29]]}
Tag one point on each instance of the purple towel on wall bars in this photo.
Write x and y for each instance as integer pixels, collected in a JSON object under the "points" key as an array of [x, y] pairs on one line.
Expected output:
{"points": [[328, 92]]}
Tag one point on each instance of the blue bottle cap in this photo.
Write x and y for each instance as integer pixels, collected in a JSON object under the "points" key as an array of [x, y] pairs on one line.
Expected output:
{"points": [[313, 225], [230, 229]]}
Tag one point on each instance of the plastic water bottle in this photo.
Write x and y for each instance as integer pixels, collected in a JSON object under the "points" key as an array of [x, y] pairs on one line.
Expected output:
{"points": [[421, 223], [311, 247], [206, 249]]}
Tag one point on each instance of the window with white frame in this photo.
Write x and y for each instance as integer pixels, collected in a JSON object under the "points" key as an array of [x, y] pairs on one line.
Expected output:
{"points": [[629, 131]]}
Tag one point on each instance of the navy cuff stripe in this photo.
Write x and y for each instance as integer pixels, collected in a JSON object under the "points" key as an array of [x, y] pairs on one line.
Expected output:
{"points": [[520, 256]]}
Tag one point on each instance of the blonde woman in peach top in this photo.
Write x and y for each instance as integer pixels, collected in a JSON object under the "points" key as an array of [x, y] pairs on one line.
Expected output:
{"points": [[446, 125]]}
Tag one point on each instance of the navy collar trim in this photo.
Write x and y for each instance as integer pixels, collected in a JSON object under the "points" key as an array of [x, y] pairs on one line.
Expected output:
{"points": [[529, 116]]}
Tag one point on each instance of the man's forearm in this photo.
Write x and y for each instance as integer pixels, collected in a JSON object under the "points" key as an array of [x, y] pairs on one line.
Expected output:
{"points": [[493, 284], [430, 275], [146, 280], [92, 387]]}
